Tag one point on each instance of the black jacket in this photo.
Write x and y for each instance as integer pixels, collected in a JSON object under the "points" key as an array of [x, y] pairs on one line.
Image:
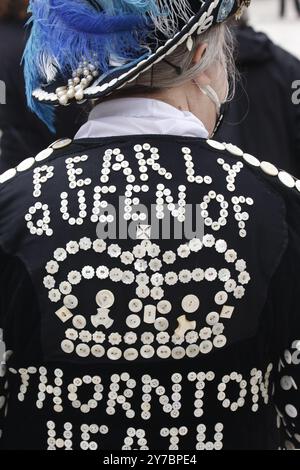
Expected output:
{"points": [[262, 118], [179, 341]]}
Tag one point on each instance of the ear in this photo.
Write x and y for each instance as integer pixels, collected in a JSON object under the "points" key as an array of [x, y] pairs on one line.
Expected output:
{"points": [[202, 78], [199, 53]]}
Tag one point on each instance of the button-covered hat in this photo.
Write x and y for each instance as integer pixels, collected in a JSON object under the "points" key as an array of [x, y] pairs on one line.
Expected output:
{"points": [[86, 49]]}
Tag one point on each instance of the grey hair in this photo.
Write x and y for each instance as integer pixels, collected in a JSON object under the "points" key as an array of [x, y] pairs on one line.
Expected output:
{"points": [[220, 47]]}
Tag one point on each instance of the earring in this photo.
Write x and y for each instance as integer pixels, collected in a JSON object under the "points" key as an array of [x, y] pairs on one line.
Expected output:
{"points": [[82, 78]]}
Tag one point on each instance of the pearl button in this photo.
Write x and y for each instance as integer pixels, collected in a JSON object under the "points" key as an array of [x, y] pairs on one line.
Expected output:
{"points": [[216, 145], [82, 350], [67, 346], [79, 322], [114, 353], [43, 154], [149, 314], [190, 303], [7, 175], [135, 305], [164, 307], [291, 411], [286, 179], [133, 321], [59, 144], [234, 150], [26, 164], [269, 168], [105, 298], [71, 301], [251, 159]]}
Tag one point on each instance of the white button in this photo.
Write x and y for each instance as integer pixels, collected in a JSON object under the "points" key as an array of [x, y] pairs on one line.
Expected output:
{"points": [[269, 168], [114, 353], [220, 341], [147, 351], [64, 314], [161, 324], [149, 314], [291, 411], [26, 164], [71, 301], [216, 145], [43, 154], [59, 144], [164, 307], [82, 350], [251, 159], [67, 346], [286, 179], [131, 354], [79, 322], [105, 298], [286, 382], [234, 150], [190, 303], [206, 347], [98, 350], [7, 175], [212, 318], [163, 352], [221, 297], [133, 321], [227, 311], [135, 305]]}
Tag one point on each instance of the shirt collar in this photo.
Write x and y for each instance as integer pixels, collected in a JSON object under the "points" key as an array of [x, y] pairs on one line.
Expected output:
{"points": [[143, 116]]}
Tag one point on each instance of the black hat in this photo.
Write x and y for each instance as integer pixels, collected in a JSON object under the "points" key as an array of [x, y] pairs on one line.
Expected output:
{"points": [[86, 49]]}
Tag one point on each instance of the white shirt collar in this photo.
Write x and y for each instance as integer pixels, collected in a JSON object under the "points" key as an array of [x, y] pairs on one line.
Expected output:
{"points": [[135, 116]]}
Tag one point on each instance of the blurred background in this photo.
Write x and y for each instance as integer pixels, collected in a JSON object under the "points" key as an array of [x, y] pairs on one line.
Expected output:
{"points": [[265, 15]]}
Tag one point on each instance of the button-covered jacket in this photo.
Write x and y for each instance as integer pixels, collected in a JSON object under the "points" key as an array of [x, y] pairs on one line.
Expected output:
{"points": [[149, 298]]}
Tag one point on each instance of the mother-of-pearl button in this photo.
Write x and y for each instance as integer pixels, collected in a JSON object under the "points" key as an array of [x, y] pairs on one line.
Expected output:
{"points": [[133, 321], [184, 325], [67, 346], [286, 179], [190, 303], [59, 144], [7, 175], [221, 297], [79, 322], [251, 159], [269, 168], [215, 144], [114, 353], [212, 318], [71, 301], [105, 298], [205, 347], [149, 314], [82, 350], [291, 411], [147, 351], [98, 350], [26, 164], [131, 354], [164, 307], [44, 154], [135, 305], [220, 341], [161, 324], [234, 150]]}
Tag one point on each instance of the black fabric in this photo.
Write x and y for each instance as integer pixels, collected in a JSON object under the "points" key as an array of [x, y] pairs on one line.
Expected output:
{"points": [[262, 118], [51, 400], [23, 134]]}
